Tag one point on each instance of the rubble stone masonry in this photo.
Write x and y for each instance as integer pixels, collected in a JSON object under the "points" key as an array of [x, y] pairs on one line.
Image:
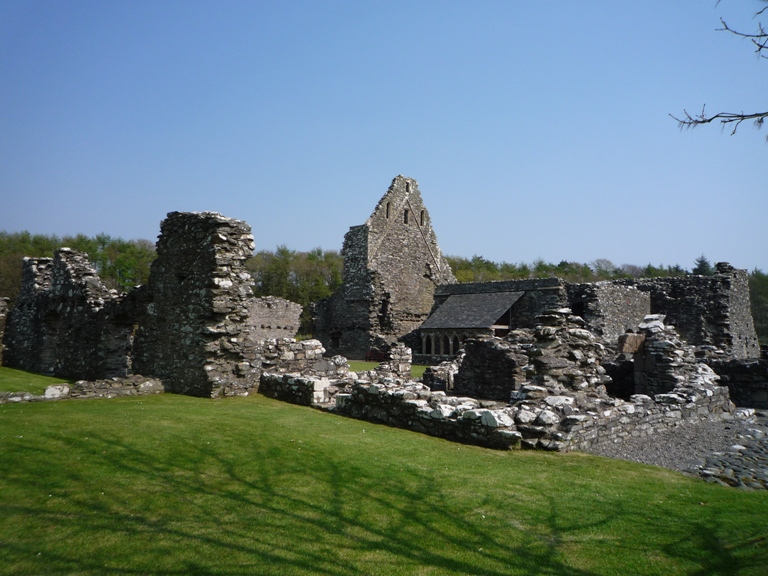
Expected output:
{"points": [[392, 264], [196, 336], [66, 322]]}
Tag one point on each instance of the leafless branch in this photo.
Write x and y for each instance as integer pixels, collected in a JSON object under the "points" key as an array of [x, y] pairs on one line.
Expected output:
{"points": [[691, 121], [760, 39]]}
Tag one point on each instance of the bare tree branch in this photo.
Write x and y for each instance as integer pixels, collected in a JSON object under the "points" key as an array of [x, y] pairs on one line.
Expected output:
{"points": [[760, 41], [691, 121]]}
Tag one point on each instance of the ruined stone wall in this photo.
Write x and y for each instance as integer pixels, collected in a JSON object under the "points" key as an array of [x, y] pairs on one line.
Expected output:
{"points": [[272, 317], [560, 402], [66, 322], [707, 310], [26, 335], [491, 369], [609, 309], [286, 355], [392, 264], [747, 381], [82, 389], [196, 336], [3, 314], [196, 323]]}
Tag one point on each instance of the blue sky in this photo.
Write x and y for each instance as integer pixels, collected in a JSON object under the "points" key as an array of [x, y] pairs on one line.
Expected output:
{"points": [[534, 129]]}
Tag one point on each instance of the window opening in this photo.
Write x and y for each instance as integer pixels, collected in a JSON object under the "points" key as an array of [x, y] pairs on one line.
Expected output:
{"points": [[405, 216]]}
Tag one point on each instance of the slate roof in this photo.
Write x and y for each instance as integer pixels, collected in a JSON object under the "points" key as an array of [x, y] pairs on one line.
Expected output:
{"points": [[472, 310]]}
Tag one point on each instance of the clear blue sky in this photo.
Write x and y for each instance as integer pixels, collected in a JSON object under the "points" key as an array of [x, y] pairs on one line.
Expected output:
{"points": [[534, 129]]}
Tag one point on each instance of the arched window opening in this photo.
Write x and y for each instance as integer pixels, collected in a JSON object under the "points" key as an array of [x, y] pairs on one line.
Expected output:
{"points": [[456, 345], [405, 216], [421, 218], [387, 209], [445, 346], [407, 186]]}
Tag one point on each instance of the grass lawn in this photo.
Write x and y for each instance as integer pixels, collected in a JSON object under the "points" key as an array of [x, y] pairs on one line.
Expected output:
{"points": [[19, 381], [417, 371], [176, 485]]}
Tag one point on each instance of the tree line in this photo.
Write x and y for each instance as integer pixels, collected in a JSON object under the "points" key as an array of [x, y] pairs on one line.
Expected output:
{"points": [[121, 264], [306, 277]]}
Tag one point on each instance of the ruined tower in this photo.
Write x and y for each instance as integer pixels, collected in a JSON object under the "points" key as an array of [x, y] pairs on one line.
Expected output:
{"points": [[392, 264], [196, 335]]}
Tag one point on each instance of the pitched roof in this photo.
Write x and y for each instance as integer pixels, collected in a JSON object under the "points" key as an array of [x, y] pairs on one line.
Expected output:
{"points": [[472, 310]]}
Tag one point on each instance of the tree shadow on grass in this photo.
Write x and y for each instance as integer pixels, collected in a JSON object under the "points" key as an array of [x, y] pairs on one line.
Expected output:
{"points": [[280, 508]]}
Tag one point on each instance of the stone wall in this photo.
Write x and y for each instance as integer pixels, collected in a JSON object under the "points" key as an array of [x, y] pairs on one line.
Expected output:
{"points": [[195, 335], [707, 310], [196, 325], [134, 385], [747, 381], [272, 317], [491, 368], [66, 322], [3, 315], [559, 403], [609, 309], [286, 355], [392, 264]]}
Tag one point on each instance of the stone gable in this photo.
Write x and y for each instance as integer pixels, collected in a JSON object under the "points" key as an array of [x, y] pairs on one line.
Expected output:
{"points": [[392, 264]]}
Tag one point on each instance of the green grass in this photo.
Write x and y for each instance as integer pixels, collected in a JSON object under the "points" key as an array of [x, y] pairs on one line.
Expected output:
{"points": [[175, 485], [417, 371], [19, 381]]}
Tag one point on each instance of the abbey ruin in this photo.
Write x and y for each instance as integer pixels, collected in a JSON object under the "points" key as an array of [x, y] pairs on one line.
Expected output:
{"points": [[392, 266], [538, 363]]}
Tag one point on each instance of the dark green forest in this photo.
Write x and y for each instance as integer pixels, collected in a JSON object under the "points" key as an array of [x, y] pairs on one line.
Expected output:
{"points": [[306, 277]]}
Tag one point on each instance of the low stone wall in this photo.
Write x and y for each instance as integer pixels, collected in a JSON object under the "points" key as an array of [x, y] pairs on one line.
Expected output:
{"points": [[551, 423], [413, 406], [130, 386], [286, 355], [295, 388], [559, 402], [408, 405], [644, 416], [747, 381]]}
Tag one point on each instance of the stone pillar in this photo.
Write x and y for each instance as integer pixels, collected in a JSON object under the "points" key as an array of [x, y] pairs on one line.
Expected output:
{"points": [[196, 335]]}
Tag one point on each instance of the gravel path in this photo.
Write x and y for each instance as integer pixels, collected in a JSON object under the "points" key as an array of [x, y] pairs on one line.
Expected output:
{"points": [[732, 453]]}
